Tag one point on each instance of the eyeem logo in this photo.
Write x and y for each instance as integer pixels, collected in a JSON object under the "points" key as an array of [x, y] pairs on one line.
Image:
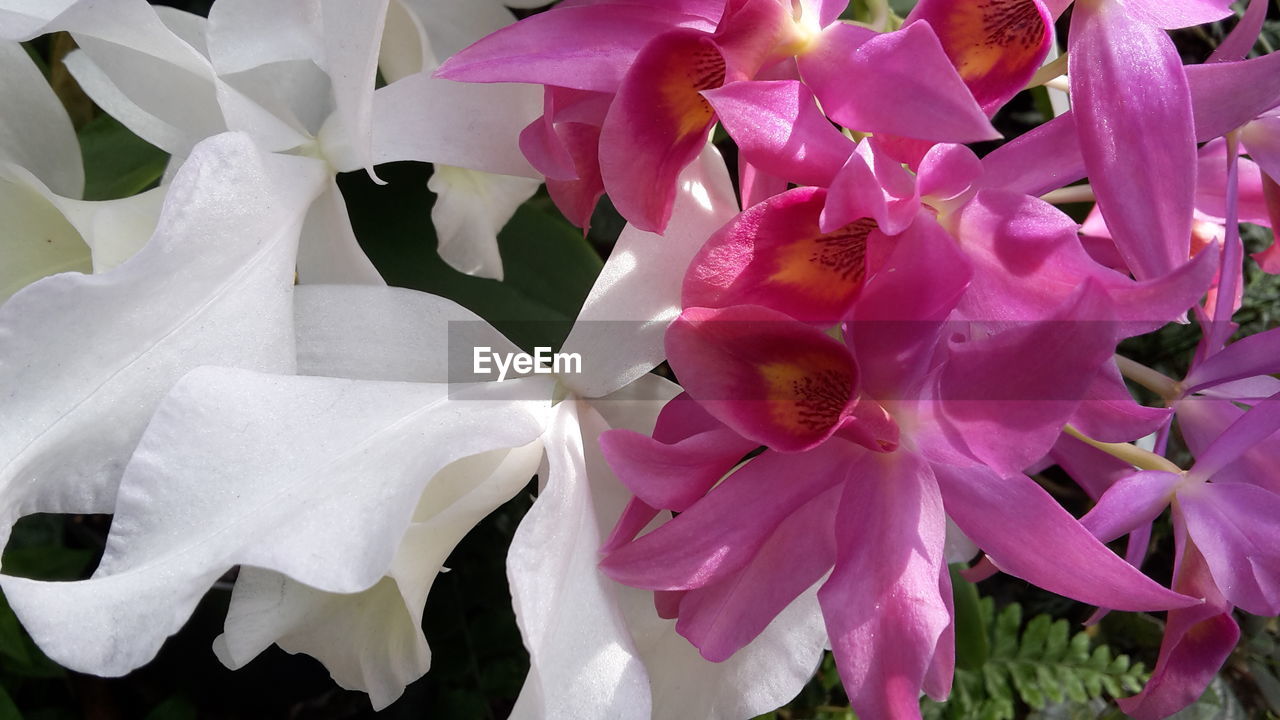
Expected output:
{"points": [[541, 362]]}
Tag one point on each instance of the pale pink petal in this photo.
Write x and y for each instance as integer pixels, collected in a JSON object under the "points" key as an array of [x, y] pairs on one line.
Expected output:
{"points": [[1234, 525], [1130, 503]]}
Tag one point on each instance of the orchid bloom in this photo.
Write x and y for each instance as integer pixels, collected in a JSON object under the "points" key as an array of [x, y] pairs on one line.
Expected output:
{"points": [[887, 410], [266, 70], [632, 111]]}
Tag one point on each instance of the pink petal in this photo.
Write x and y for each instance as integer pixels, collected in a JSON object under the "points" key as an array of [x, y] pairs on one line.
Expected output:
{"points": [[1257, 354], [720, 534], [884, 611], [896, 324], [774, 254], [773, 380], [1197, 641], [1009, 395], [899, 83], [778, 128], [948, 170], [1240, 40], [1256, 425], [577, 197], [1109, 413], [756, 186], [658, 124], [1261, 139], [1133, 112], [1131, 503], [605, 41], [871, 185], [1028, 260], [995, 46], [1028, 535], [1234, 525], [1092, 469], [722, 618], [1171, 14], [672, 476]]}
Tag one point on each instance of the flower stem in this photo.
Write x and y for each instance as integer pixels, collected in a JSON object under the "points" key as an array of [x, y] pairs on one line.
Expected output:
{"points": [[1128, 452], [1157, 382]]}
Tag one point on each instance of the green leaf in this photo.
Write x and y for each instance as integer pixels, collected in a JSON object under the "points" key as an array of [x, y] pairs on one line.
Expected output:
{"points": [[1033, 638], [548, 266], [8, 709], [175, 708], [117, 163], [972, 646]]}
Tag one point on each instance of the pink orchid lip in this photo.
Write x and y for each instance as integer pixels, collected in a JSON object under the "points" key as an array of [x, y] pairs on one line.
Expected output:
{"points": [[996, 46], [775, 254], [768, 377]]}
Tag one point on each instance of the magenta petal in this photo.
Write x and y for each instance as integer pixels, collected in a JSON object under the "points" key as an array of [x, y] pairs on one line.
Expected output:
{"points": [[1197, 641], [827, 11], [1092, 469], [1204, 420], [635, 517], [1109, 413], [755, 186], [1240, 40], [1028, 535], [996, 46], [942, 671], [873, 185], [1224, 96], [1261, 139], [605, 40], [900, 83], [674, 476], [1130, 503], [1028, 260], [774, 254], [948, 170], [1234, 525], [1171, 14], [721, 619], [1133, 111], [1010, 394], [1256, 425], [720, 534], [577, 198], [882, 604], [778, 128], [1257, 354], [772, 379], [896, 323], [658, 124]]}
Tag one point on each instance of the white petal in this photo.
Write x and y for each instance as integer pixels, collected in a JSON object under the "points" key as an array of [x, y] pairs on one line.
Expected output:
{"points": [[245, 34], [759, 678], [315, 478], [114, 230], [384, 333], [352, 35], [583, 663], [35, 239], [85, 358], [469, 125], [25, 19], [471, 209], [454, 24], [35, 131], [328, 251], [637, 295], [372, 640], [405, 48]]}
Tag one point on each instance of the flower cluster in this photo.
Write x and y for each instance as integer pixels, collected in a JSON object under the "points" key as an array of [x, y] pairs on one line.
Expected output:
{"points": [[878, 334]]}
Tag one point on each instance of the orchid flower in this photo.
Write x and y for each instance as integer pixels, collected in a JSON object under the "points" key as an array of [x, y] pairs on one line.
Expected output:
{"points": [[648, 111], [757, 377], [266, 70]]}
